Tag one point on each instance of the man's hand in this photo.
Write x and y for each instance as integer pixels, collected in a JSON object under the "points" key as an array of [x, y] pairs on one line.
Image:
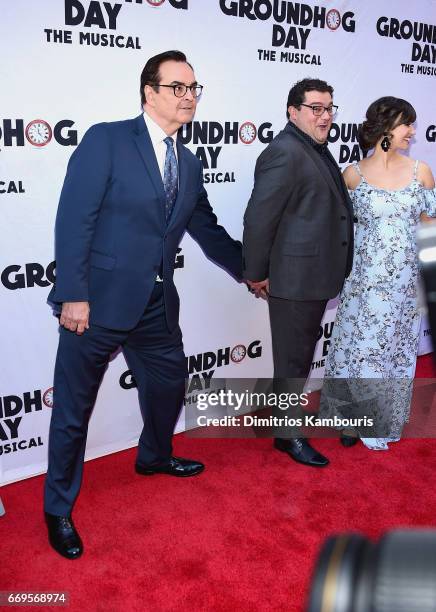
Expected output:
{"points": [[259, 288], [75, 316]]}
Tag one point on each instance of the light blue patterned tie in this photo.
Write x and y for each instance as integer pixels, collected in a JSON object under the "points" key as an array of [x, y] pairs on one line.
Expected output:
{"points": [[170, 179]]}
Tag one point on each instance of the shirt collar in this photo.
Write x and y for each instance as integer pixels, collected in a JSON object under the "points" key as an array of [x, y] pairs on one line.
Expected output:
{"points": [[321, 148], [156, 133]]}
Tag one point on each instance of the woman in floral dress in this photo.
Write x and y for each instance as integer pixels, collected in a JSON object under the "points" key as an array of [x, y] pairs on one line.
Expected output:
{"points": [[376, 331]]}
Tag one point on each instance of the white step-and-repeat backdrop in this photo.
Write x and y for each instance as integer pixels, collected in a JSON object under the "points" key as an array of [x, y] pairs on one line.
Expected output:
{"points": [[67, 64]]}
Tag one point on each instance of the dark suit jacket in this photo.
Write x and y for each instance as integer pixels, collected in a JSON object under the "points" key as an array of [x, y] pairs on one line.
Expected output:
{"points": [[111, 234], [298, 228]]}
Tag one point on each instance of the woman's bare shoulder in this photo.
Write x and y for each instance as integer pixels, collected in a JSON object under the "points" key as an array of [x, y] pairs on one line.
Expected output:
{"points": [[425, 175], [351, 177]]}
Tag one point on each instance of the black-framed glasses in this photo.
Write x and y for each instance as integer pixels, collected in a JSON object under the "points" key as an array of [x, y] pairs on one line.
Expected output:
{"points": [[181, 90], [318, 109]]}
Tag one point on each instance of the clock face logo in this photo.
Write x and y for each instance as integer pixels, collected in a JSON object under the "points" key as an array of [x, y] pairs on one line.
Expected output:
{"points": [[47, 398], [155, 2], [333, 19], [238, 353], [247, 132], [38, 132]]}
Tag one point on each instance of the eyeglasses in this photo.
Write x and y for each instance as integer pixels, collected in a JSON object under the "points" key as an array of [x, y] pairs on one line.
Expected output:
{"points": [[319, 110], [181, 90]]}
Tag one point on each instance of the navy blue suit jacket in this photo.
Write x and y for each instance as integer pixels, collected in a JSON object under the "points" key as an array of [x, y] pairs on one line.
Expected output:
{"points": [[111, 235]]}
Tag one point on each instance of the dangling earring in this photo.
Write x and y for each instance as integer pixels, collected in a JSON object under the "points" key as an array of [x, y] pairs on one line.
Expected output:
{"points": [[385, 143]]}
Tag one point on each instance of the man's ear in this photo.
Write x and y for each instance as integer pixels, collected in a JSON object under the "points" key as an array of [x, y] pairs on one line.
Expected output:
{"points": [[150, 94], [292, 112]]}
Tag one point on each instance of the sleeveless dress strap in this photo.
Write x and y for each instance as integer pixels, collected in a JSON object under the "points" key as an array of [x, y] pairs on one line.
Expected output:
{"points": [[357, 168], [415, 169]]}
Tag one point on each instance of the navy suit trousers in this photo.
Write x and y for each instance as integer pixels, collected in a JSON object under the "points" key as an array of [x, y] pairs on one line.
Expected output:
{"points": [[155, 356]]}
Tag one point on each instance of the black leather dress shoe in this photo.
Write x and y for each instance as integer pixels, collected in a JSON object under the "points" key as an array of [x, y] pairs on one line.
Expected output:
{"points": [[300, 450], [176, 466], [63, 536], [348, 441]]}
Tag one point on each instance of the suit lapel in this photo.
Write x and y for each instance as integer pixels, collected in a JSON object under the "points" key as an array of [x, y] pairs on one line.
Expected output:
{"points": [[346, 195], [316, 158], [146, 151]]}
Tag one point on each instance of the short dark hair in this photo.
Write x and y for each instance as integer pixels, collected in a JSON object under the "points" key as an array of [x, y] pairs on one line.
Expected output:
{"points": [[381, 117], [298, 91], [150, 74]]}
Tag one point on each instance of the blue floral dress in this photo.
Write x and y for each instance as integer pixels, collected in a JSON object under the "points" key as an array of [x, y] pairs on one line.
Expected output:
{"points": [[376, 332]]}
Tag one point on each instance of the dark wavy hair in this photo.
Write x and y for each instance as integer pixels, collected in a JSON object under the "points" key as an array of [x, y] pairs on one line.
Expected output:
{"points": [[382, 116], [150, 74], [298, 91]]}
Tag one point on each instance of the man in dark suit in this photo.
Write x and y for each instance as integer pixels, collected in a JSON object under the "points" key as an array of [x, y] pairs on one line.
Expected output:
{"points": [[128, 197], [298, 239]]}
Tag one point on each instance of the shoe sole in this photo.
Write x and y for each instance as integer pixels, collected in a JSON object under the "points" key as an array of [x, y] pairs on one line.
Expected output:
{"points": [[150, 472]]}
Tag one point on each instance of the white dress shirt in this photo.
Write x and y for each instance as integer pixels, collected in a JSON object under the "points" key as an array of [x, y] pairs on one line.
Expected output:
{"points": [[157, 136]]}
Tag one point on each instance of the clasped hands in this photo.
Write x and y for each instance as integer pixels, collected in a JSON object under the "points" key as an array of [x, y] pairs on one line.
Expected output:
{"points": [[259, 288]]}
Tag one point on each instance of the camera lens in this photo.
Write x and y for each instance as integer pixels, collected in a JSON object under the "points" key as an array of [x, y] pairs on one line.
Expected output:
{"points": [[396, 574]]}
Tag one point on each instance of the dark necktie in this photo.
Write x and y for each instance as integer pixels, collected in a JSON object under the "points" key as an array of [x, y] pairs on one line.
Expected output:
{"points": [[170, 179]]}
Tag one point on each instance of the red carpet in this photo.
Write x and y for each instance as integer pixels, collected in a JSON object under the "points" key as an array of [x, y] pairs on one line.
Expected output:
{"points": [[243, 536]]}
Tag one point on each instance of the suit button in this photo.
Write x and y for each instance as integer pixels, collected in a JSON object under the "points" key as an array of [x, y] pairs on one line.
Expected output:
{"points": [[344, 243], [343, 217]]}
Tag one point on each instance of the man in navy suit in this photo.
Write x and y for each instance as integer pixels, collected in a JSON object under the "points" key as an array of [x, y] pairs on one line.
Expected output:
{"points": [[131, 191]]}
